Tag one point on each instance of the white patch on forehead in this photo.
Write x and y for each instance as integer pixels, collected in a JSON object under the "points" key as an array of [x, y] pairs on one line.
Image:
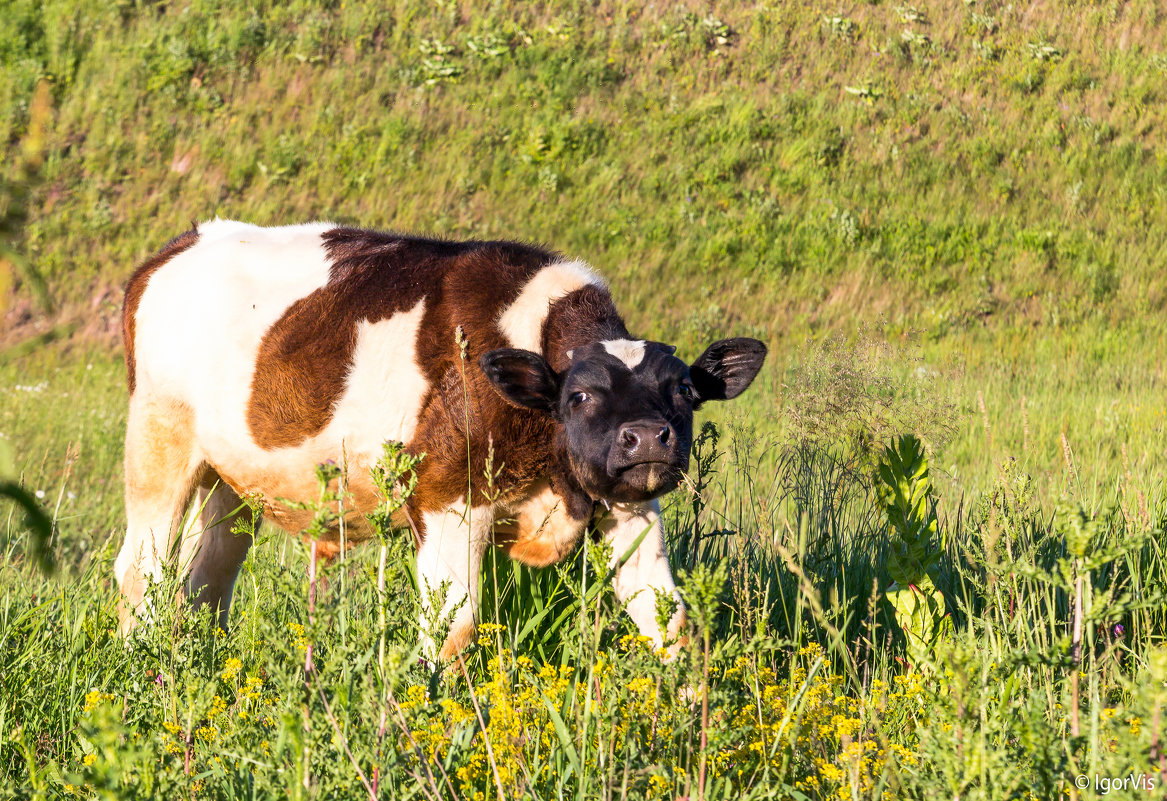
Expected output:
{"points": [[522, 322], [626, 350]]}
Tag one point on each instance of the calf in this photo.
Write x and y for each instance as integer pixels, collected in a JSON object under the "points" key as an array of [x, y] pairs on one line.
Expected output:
{"points": [[255, 353]]}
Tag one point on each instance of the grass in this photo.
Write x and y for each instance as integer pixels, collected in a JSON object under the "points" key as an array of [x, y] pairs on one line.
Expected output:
{"points": [[995, 185], [797, 200], [810, 689], [944, 220]]}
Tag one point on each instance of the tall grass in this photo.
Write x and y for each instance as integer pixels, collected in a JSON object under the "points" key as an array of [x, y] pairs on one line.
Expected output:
{"points": [[820, 176], [797, 680]]}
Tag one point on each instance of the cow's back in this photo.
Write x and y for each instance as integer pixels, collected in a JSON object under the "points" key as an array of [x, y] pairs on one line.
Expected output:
{"points": [[295, 345], [202, 313]]}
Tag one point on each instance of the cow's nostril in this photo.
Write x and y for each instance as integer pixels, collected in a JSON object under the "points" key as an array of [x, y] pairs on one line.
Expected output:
{"points": [[663, 436], [629, 439]]}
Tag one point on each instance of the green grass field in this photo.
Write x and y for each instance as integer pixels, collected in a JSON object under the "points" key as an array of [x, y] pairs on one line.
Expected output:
{"points": [[945, 219]]}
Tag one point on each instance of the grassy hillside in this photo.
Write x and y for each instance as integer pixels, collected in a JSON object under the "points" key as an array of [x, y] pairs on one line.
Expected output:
{"points": [[948, 219], [939, 165], [986, 175]]}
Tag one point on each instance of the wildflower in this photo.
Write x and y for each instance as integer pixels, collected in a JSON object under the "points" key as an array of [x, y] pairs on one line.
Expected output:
{"points": [[630, 642], [658, 785], [231, 669], [88, 759], [251, 688], [812, 650], [487, 632], [299, 640], [415, 697], [218, 706], [94, 698]]}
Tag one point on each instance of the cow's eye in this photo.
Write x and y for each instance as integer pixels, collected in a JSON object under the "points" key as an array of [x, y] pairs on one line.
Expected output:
{"points": [[686, 391], [577, 398]]}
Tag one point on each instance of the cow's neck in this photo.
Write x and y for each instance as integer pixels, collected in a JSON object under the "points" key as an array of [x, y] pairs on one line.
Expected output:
{"points": [[580, 318]]}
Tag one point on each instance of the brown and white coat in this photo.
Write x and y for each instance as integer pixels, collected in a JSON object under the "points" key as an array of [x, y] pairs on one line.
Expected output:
{"points": [[255, 353]]}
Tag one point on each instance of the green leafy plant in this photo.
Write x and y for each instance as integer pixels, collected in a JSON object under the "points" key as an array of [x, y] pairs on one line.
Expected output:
{"points": [[907, 494], [395, 477], [17, 180]]}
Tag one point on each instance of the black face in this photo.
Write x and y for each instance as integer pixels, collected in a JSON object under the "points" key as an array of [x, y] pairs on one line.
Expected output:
{"points": [[626, 407]]}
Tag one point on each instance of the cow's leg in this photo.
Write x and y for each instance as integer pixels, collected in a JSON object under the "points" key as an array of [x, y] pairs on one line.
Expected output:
{"points": [[646, 570], [541, 530], [213, 552], [450, 556], [162, 467]]}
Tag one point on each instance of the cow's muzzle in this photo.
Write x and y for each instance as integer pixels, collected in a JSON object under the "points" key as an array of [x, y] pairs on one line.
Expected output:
{"points": [[646, 458], [644, 441]]}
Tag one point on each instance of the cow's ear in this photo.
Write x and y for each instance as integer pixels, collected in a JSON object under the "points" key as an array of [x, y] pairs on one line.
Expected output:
{"points": [[523, 378], [726, 368]]}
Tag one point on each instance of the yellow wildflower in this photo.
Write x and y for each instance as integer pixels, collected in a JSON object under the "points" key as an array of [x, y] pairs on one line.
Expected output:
{"points": [[94, 698], [299, 640], [231, 669]]}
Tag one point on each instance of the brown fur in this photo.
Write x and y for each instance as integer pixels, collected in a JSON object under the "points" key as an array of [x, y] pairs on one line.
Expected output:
{"points": [[306, 355], [584, 316], [137, 285], [458, 638]]}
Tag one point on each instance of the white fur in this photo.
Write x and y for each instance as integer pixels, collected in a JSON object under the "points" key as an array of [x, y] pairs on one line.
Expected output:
{"points": [[451, 555], [631, 352], [204, 313], [384, 388], [200, 324], [522, 321], [646, 570]]}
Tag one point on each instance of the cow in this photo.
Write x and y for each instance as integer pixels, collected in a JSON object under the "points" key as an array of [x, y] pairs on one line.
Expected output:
{"points": [[254, 354]]}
